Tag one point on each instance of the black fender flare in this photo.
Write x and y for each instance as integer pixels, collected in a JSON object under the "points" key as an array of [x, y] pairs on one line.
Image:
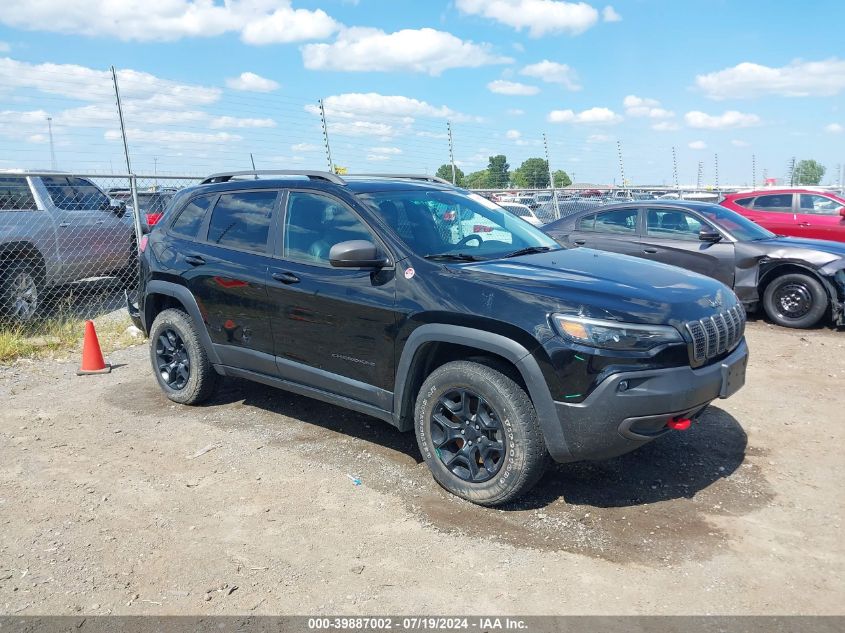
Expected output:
{"points": [[482, 340], [186, 298]]}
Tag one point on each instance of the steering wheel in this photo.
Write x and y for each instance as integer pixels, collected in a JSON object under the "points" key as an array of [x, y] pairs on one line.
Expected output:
{"points": [[473, 236]]}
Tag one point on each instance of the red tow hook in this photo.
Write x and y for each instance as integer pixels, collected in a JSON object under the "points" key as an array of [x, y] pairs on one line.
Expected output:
{"points": [[679, 424]]}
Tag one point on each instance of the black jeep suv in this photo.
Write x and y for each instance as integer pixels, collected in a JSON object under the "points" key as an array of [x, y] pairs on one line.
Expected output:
{"points": [[432, 308]]}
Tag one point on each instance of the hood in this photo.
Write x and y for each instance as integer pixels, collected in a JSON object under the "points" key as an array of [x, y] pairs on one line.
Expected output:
{"points": [[606, 285], [818, 252]]}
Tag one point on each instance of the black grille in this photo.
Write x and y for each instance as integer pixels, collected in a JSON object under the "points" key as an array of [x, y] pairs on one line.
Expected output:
{"points": [[717, 334]]}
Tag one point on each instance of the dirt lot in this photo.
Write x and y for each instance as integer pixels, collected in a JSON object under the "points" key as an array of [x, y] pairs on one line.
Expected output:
{"points": [[107, 505]]}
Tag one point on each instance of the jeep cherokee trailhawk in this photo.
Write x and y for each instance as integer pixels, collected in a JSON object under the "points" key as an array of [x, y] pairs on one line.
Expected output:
{"points": [[429, 307]]}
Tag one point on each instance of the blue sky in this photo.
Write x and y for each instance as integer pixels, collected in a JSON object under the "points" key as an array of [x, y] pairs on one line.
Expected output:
{"points": [[206, 83]]}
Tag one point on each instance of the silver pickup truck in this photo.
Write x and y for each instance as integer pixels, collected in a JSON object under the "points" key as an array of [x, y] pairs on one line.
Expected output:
{"points": [[56, 229]]}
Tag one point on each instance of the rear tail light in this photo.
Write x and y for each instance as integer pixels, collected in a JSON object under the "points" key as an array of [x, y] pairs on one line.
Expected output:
{"points": [[153, 218], [142, 245], [482, 228]]}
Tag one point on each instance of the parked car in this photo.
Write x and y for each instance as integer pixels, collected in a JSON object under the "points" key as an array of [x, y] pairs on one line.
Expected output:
{"points": [[521, 211], [797, 281], [151, 203], [799, 212], [55, 229], [497, 352]]}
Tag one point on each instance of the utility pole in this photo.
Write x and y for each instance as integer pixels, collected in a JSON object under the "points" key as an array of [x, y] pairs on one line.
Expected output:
{"points": [[700, 175], [133, 184], [451, 152], [792, 172], [551, 177], [753, 171], [326, 136], [621, 164], [716, 169], [675, 167], [52, 147]]}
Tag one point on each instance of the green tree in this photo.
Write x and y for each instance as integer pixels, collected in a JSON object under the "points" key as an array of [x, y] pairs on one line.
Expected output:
{"points": [[498, 169], [808, 172], [478, 180], [562, 179], [445, 172], [533, 173]]}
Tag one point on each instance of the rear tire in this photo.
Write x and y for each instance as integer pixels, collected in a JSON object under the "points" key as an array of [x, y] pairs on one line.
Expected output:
{"points": [[795, 300], [478, 433], [179, 360], [21, 290]]}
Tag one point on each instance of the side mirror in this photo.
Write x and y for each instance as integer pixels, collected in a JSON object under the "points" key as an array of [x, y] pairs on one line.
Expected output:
{"points": [[356, 254], [708, 235]]}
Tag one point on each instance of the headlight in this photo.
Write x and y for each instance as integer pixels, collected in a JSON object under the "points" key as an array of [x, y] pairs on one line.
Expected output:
{"points": [[614, 334]]}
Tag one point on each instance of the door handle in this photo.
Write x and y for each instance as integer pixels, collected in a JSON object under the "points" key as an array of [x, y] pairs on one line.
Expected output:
{"points": [[64, 225], [580, 242], [286, 278], [650, 251], [804, 224], [194, 260]]}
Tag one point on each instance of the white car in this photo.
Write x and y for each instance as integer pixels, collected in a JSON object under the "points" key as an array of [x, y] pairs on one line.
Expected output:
{"points": [[522, 211]]}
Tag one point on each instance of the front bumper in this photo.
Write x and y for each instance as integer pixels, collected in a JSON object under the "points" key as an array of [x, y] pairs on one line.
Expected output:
{"points": [[629, 409]]}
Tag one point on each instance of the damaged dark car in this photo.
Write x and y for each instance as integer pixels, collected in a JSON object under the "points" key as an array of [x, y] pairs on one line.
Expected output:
{"points": [[797, 282]]}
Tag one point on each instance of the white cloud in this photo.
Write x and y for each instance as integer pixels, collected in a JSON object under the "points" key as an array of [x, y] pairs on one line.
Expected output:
{"points": [[740, 143], [665, 126], [251, 82], [834, 128], [553, 72], [417, 50], [357, 104], [230, 122], [258, 21], [516, 112], [387, 151], [540, 17], [304, 147], [747, 80], [287, 25], [172, 138], [726, 120], [599, 138], [641, 107], [513, 135], [593, 116], [513, 88], [697, 145], [362, 128], [609, 14]]}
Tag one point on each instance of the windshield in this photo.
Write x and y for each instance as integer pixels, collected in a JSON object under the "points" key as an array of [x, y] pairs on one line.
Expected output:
{"points": [[447, 222], [739, 226]]}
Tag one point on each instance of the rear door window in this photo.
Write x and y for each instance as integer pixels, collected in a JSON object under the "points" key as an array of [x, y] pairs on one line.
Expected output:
{"points": [[242, 220], [622, 221], [69, 193], [15, 195], [189, 220], [779, 202]]}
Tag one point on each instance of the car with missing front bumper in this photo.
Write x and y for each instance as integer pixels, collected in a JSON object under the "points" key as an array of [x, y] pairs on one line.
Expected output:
{"points": [[496, 346]]}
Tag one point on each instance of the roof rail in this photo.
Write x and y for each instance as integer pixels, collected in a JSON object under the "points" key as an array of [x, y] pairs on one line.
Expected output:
{"points": [[423, 177], [313, 175]]}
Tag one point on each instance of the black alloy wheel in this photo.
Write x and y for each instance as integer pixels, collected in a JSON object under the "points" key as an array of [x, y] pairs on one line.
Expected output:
{"points": [[172, 360], [468, 435]]}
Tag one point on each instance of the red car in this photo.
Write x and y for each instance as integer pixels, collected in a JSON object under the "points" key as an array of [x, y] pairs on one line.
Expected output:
{"points": [[799, 212]]}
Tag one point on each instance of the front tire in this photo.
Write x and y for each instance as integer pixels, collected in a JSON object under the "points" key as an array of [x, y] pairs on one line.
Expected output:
{"points": [[179, 360], [795, 300], [478, 433]]}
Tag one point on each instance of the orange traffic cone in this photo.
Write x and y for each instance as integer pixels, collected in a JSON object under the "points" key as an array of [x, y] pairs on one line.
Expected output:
{"points": [[92, 356]]}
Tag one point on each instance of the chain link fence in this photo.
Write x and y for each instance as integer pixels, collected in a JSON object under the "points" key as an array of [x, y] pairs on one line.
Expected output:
{"points": [[69, 242]]}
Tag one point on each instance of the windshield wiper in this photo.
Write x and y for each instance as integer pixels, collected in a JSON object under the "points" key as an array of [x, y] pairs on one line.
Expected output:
{"points": [[529, 250], [456, 257]]}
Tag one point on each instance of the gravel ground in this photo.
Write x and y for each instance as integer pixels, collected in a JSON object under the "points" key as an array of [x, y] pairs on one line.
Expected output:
{"points": [[114, 500]]}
